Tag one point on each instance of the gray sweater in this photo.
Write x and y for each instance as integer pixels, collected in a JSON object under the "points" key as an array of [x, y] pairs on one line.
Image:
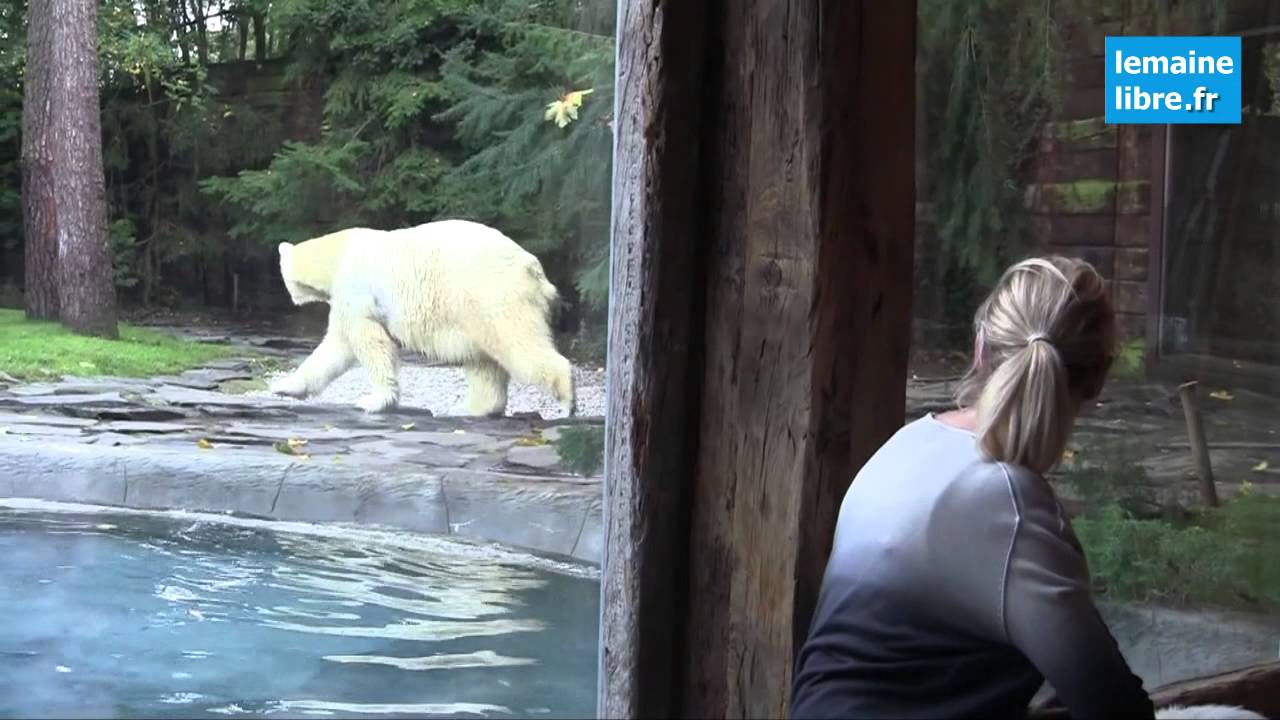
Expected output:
{"points": [[955, 588]]}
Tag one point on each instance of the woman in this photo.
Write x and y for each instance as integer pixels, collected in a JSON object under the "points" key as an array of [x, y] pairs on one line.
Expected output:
{"points": [[956, 585]]}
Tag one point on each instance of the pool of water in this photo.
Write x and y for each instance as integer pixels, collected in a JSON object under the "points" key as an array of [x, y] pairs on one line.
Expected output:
{"points": [[137, 616]]}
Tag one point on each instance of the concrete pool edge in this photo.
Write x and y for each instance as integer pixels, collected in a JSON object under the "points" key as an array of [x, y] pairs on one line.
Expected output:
{"points": [[558, 516]]}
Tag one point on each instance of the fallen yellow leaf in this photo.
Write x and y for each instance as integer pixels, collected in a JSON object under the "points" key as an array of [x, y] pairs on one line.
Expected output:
{"points": [[204, 444], [530, 442], [1221, 395], [408, 426], [1261, 466], [296, 443], [565, 110]]}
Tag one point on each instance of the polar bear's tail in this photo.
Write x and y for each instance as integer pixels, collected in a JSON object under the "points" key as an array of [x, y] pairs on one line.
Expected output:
{"points": [[546, 291]]}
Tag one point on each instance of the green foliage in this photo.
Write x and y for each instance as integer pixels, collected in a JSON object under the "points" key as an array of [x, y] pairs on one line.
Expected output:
{"points": [[1155, 561], [282, 203], [42, 350], [121, 235], [1111, 479], [436, 108], [1130, 361], [548, 185], [1223, 557], [12, 62], [1217, 557], [581, 448], [993, 74]]}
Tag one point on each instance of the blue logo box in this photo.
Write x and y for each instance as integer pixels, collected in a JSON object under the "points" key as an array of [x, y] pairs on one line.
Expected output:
{"points": [[1185, 80]]}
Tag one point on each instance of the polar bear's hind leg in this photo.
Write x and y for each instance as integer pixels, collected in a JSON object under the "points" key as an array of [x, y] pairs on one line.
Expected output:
{"points": [[541, 364]]}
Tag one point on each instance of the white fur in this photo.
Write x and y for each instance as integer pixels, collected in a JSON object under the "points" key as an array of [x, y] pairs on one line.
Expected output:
{"points": [[1207, 712], [458, 292]]}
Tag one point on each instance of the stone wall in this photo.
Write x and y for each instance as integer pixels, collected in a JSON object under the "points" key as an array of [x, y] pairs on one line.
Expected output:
{"points": [[1091, 194]]}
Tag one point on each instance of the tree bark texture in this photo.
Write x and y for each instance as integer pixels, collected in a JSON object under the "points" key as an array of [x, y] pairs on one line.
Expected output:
{"points": [[1256, 688], [39, 216], [759, 329], [808, 322], [86, 282], [259, 37], [656, 290], [199, 19]]}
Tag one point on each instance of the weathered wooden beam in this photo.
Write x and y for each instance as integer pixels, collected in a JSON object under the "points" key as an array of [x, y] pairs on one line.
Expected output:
{"points": [[760, 290], [1199, 447], [807, 323], [1256, 688], [654, 341]]}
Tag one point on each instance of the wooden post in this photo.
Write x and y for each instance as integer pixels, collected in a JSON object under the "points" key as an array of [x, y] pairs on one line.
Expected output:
{"points": [[655, 296], [1199, 448], [1256, 688], [759, 329]]}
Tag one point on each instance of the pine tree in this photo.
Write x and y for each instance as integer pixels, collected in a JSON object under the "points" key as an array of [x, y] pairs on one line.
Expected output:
{"points": [[496, 110], [535, 114]]}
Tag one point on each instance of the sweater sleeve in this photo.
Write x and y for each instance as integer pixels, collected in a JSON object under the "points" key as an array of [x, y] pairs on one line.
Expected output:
{"points": [[1049, 614]]}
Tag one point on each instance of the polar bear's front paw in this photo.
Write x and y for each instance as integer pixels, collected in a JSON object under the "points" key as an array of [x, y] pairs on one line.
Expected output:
{"points": [[377, 401], [290, 386]]}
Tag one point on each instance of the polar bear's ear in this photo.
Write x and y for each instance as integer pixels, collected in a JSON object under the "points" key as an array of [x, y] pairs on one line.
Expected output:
{"points": [[286, 249]]}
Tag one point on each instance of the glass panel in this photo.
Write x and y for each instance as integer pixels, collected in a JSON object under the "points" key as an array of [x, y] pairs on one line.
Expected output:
{"points": [[1015, 159], [1221, 244], [327, 465]]}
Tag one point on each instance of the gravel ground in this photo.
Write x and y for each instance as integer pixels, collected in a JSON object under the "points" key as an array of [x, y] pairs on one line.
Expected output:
{"points": [[443, 391]]}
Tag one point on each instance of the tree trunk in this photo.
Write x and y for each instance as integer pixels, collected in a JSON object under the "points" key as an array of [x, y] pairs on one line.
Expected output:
{"points": [[243, 28], [38, 207], [259, 37], [202, 31], [86, 281], [178, 16]]}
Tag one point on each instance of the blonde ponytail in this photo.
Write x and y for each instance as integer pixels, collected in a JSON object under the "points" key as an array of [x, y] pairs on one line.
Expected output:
{"points": [[1044, 342]]}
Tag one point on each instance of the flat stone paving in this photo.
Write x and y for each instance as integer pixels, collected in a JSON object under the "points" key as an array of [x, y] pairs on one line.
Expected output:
{"points": [[180, 443]]}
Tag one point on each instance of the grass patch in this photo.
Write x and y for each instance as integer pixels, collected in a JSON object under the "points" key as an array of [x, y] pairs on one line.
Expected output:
{"points": [[45, 350], [1130, 360], [1222, 556], [581, 449]]}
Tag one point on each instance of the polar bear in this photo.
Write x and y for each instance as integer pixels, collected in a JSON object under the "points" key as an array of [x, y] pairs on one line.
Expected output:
{"points": [[458, 292]]}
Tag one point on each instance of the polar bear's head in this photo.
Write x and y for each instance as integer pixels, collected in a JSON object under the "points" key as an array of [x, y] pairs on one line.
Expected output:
{"points": [[295, 277]]}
